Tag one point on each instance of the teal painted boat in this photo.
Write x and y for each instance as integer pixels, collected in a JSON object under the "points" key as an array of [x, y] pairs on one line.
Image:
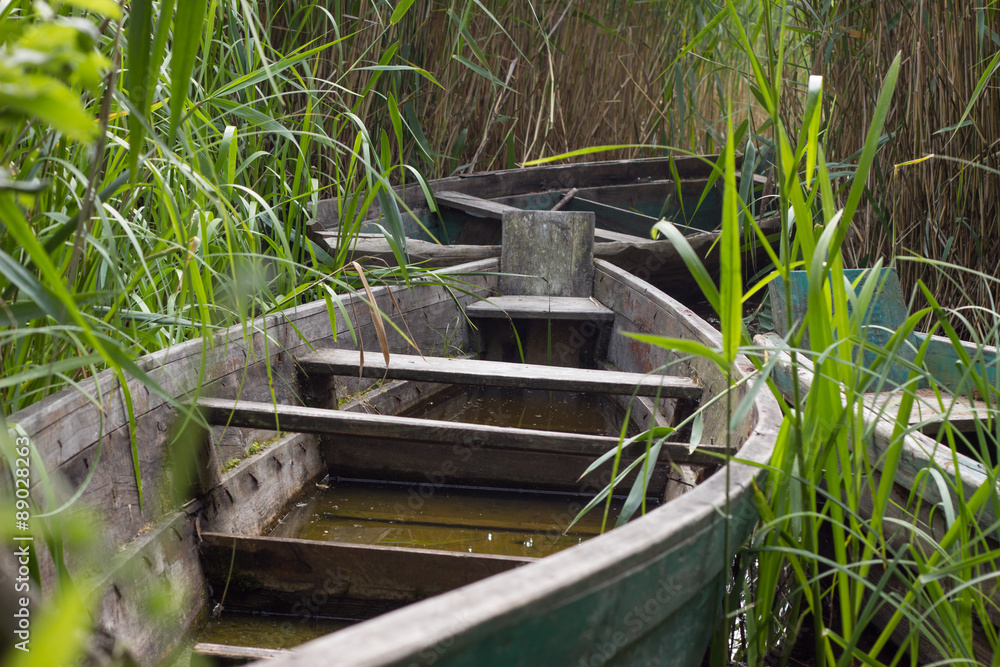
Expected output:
{"points": [[279, 410]]}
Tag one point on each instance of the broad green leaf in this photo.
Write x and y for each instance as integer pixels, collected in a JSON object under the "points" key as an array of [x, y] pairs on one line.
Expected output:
{"points": [[400, 11], [137, 79], [731, 275], [187, 41], [691, 259], [871, 145], [52, 102], [682, 346], [108, 8]]}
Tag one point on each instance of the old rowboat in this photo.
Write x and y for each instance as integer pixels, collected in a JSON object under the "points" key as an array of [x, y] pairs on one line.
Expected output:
{"points": [[643, 593], [460, 222]]}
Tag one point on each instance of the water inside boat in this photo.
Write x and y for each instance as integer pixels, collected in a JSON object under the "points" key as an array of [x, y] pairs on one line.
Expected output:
{"points": [[423, 515], [273, 631], [570, 412], [474, 520]]}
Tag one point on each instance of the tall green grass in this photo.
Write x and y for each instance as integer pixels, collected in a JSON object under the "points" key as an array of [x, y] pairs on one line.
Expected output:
{"points": [[840, 541]]}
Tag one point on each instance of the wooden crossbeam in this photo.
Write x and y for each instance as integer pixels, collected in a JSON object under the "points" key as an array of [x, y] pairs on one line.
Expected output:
{"points": [[237, 655], [498, 374], [359, 580], [478, 206], [541, 307], [619, 237], [321, 421]]}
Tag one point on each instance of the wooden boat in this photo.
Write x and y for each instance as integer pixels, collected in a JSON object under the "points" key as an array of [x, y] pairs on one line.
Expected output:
{"points": [[627, 196], [646, 592], [954, 400]]}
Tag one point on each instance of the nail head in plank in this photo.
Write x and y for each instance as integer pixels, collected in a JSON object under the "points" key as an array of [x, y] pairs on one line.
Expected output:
{"points": [[541, 307], [391, 427], [499, 374]]}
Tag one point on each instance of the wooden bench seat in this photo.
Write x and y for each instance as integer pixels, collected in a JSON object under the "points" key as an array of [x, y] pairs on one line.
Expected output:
{"points": [[320, 421], [541, 307], [497, 374]]}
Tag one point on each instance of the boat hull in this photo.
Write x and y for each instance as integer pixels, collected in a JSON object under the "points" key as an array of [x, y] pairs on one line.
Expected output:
{"points": [[646, 593]]}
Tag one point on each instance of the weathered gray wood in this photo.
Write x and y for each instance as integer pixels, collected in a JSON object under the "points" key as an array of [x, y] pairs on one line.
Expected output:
{"points": [[651, 584], [490, 185], [376, 247], [541, 307], [547, 253], [250, 496], [392, 427], [497, 374], [299, 577], [483, 208], [236, 654], [618, 237]]}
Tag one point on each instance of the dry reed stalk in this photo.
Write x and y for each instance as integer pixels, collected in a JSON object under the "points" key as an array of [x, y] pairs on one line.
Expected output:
{"points": [[588, 73], [938, 209]]}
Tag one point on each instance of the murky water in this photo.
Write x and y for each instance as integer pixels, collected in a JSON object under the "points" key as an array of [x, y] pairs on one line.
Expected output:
{"points": [[453, 519], [472, 520], [264, 630], [428, 516], [524, 408]]}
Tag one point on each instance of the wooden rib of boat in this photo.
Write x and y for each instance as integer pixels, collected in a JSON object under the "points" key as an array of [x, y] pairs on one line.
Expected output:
{"points": [[627, 196], [647, 592], [954, 400]]}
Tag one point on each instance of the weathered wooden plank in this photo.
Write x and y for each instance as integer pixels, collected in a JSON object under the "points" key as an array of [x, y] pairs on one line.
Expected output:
{"points": [[477, 463], [618, 237], [322, 578], [377, 247], [236, 654], [541, 307], [392, 427], [547, 253], [498, 374], [483, 208], [250, 495]]}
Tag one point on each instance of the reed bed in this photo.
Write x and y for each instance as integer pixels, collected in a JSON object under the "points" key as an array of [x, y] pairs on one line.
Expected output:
{"points": [[935, 185]]}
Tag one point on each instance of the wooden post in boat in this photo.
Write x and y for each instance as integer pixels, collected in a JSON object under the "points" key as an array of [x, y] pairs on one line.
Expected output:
{"points": [[547, 265], [547, 253]]}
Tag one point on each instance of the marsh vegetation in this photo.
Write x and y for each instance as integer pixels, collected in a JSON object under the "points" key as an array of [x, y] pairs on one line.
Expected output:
{"points": [[161, 160]]}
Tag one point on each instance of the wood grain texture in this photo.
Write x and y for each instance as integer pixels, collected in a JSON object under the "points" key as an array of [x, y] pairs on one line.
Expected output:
{"points": [[410, 429], [477, 206], [541, 307], [498, 374]]}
